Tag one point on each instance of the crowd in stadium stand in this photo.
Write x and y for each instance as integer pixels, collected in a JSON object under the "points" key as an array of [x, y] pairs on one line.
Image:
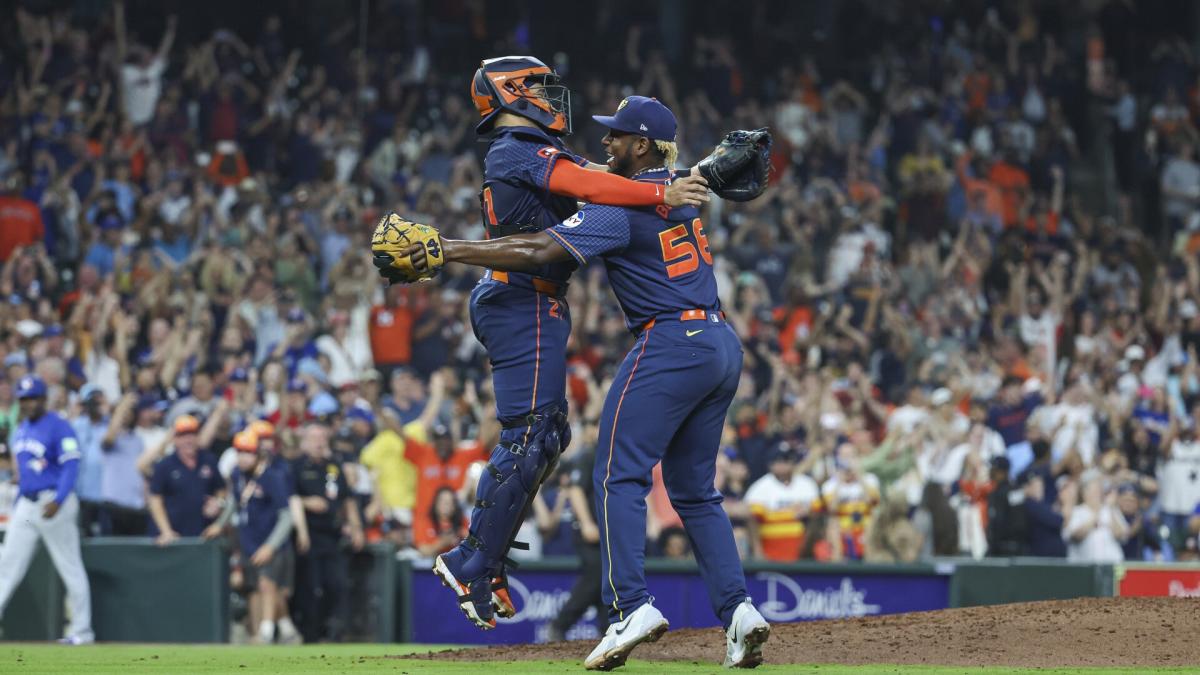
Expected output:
{"points": [[970, 301]]}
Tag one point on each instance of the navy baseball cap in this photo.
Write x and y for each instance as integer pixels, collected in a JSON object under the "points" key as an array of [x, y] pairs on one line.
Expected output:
{"points": [[31, 386], [642, 116], [239, 375]]}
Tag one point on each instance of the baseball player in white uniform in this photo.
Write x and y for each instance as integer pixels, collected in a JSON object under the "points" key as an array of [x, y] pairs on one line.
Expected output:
{"points": [[47, 455]]}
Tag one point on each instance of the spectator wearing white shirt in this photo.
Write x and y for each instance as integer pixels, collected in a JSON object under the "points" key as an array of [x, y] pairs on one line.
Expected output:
{"points": [[141, 70], [1181, 187], [1096, 529], [1179, 475]]}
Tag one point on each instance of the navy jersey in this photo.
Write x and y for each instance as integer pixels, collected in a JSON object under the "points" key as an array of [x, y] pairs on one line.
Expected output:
{"points": [[259, 502], [658, 259], [184, 491], [47, 456], [516, 195]]}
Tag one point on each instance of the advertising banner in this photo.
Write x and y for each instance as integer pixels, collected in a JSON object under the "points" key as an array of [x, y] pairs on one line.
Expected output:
{"points": [[780, 596], [1173, 582]]}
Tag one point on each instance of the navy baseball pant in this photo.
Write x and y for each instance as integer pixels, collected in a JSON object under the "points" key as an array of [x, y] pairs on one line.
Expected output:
{"points": [[668, 403]]}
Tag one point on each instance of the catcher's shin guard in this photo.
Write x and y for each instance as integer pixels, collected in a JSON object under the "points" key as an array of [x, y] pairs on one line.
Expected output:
{"points": [[510, 478]]}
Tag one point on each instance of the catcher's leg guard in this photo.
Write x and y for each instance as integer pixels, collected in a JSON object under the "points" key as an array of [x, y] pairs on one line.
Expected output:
{"points": [[512, 475], [501, 600]]}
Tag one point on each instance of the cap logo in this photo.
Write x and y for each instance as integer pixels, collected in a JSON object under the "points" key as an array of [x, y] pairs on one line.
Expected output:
{"points": [[621, 106], [643, 127]]}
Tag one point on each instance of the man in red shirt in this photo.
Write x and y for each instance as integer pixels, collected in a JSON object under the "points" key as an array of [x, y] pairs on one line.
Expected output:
{"points": [[20, 219]]}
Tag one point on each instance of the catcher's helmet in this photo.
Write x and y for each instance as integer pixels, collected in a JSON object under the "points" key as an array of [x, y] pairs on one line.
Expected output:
{"points": [[503, 84]]}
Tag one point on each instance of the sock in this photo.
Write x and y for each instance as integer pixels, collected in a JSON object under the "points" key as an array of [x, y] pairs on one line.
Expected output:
{"points": [[266, 631], [287, 629]]}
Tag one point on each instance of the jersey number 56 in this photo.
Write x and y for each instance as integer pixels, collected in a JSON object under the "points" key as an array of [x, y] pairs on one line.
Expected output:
{"points": [[679, 254]]}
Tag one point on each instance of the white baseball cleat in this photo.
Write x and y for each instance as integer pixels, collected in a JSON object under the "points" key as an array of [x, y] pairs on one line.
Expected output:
{"points": [[745, 637], [644, 624], [76, 640]]}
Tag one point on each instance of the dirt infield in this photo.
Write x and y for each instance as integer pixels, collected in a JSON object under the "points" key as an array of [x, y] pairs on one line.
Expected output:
{"points": [[1132, 632]]}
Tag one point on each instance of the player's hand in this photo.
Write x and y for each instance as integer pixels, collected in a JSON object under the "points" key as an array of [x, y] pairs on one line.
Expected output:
{"points": [[688, 191], [50, 510], [212, 531], [357, 540], [303, 543], [166, 538], [262, 556], [590, 533], [393, 243]]}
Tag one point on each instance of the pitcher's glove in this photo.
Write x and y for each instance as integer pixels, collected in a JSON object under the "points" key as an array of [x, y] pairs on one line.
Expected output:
{"points": [[738, 168], [392, 244]]}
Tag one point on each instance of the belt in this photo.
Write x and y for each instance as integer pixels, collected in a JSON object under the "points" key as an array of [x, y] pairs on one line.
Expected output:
{"points": [[715, 316], [540, 285]]}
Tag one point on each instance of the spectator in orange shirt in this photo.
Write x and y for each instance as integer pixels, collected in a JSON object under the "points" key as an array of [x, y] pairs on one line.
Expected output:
{"points": [[20, 219], [391, 331], [1013, 183], [440, 464], [983, 196]]}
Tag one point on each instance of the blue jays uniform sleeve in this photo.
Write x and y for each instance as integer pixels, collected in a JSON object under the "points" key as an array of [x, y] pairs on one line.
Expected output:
{"points": [[68, 460], [594, 231]]}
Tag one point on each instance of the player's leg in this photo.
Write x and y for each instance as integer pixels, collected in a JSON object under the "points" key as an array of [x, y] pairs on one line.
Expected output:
{"points": [[525, 334], [61, 536], [689, 470], [20, 543], [653, 392]]}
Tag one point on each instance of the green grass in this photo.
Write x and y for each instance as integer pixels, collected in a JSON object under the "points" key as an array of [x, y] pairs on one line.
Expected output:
{"points": [[331, 659]]}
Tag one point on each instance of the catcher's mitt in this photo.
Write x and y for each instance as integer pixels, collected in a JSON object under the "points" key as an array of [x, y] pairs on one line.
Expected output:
{"points": [[738, 168], [392, 237]]}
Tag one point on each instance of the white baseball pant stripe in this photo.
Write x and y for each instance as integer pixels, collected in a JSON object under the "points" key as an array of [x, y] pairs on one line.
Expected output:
{"points": [[60, 534]]}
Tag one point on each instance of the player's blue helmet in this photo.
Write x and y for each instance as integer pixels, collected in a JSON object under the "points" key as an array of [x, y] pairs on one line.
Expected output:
{"points": [[31, 386], [504, 84]]}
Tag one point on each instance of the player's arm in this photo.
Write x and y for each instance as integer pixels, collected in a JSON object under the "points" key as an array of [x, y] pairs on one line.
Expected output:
{"points": [[600, 187], [516, 253]]}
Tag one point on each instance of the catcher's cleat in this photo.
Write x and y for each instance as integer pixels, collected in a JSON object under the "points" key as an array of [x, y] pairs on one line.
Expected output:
{"points": [[644, 624], [745, 637], [474, 597], [502, 602]]}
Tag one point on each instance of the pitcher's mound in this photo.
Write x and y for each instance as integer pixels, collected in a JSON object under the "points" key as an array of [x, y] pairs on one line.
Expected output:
{"points": [[1130, 632]]}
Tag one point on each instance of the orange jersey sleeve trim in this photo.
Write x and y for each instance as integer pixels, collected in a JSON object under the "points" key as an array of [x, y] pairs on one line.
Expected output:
{"points": [[597, 187]]}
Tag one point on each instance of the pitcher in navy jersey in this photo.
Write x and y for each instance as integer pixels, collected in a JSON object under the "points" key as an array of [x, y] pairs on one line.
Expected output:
{"points": [[670, 397], [531, 182]]}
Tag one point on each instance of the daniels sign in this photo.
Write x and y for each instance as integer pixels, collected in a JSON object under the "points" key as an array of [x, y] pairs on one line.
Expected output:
{"points": [[780, 596], [1174, 582]]}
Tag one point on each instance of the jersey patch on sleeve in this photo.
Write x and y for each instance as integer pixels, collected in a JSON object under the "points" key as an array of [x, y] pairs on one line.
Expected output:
{"points": [[574, 221], [548, 152]]}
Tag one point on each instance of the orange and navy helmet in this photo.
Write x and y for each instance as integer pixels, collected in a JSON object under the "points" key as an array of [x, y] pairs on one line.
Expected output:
{"points": [[504, 84]]}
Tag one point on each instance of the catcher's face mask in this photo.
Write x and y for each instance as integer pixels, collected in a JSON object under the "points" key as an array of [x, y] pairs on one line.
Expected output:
{"points": [[521, 85]]}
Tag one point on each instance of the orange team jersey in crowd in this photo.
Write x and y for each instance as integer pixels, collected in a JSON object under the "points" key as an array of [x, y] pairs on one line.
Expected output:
{"points": [[993, 200], [433, 474], [1013, 183], [20, 225], [851, 503], [796, 324], [1050, 221], [978, 492], [781, 533], [775, 507], [391, 334], [977, 85]]}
